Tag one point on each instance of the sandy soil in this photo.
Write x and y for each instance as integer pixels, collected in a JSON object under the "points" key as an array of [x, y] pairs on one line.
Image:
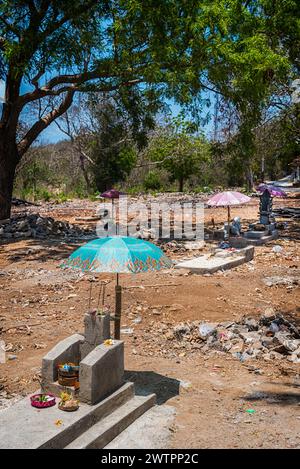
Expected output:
{"points": [[40, 304]]}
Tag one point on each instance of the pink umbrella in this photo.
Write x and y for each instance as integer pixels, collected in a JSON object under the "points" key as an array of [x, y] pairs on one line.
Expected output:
{"points": [[274, 191], [226, 199]]}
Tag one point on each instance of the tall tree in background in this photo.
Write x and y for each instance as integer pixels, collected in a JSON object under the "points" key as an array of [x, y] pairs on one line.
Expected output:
{"points": [[264, 54], [179, 149], [112, 145]]}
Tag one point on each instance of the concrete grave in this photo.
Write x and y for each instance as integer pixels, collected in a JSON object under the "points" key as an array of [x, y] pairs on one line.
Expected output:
{"points": [[108, 404], [101, 366], [222, 260], [91, 426], [262, 232]]}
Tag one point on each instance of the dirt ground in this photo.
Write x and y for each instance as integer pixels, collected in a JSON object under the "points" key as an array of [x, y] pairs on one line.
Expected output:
{"points": [[41, 304]]}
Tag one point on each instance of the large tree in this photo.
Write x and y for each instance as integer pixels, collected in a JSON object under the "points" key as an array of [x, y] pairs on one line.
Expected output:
{"points": [[59, 47], [56, 48]]}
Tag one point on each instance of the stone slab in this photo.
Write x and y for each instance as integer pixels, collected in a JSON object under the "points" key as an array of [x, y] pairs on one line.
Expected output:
{"points": [[241, 242], [206, 264], [153, 430], [252, 234], [96, 328]]}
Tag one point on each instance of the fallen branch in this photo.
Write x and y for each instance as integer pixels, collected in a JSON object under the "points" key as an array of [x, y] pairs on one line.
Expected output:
{"points": [[17, 326], [153, 286], [23, 202], [95, 218]]}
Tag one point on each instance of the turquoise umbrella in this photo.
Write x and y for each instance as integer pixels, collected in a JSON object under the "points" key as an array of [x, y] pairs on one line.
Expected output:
{"points": [[118, 254]]}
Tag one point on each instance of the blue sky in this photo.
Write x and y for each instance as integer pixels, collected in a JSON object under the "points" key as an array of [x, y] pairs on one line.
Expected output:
{"points": [[52, 134]]}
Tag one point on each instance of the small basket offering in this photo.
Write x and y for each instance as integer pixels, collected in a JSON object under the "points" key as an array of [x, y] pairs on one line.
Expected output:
{"points": [[68, 403], [42, 401]]}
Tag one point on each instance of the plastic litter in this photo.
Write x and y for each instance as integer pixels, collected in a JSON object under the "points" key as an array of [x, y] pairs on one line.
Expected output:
{"points": [[250, 411], [206, 329], [224, 245]]}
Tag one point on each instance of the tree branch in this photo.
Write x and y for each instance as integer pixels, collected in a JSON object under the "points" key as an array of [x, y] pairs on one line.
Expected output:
{"points": [[74, 140], [77, 80], [44, 122], [2, 43]]}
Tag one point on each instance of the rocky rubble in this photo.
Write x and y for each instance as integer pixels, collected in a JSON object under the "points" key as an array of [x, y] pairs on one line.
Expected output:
{"points": [[35, 226], [271, 337]]}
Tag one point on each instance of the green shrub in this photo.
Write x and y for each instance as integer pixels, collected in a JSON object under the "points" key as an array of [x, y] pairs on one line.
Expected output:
{"points": [[152, 181]]}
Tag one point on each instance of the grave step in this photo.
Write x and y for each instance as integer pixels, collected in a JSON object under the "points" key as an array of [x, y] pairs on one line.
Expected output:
{"points": [[24, 427], [98, 413], [256, 234], [103, 432]]}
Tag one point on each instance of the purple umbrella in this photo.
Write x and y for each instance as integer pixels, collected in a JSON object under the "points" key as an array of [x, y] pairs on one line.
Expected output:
{"points": [[274, 191], [111, 194]]}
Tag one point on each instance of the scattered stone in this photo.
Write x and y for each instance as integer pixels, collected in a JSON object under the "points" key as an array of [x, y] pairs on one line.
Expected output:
{"points": [[275, 338], [275, 281], [277, 249], [128, 330], [39, 346], [181, 330], [137, 320], [185, 384], [34, 226]]}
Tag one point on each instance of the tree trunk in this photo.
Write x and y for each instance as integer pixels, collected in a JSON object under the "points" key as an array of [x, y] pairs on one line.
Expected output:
{"points": [[85, 173], [8, 163], [181, 183], [249, 178]]}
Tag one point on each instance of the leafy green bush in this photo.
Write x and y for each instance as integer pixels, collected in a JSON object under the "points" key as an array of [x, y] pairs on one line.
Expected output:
{"points": [[152, 181]]}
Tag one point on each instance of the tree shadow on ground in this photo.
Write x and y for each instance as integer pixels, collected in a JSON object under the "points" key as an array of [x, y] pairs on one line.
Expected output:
{"points": [[41, 250], [274, 398], [148, 382]]}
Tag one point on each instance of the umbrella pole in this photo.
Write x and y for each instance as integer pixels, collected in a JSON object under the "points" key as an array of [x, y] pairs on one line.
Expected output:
{"points": [[228, 220], [118, 309], [90, 297]]}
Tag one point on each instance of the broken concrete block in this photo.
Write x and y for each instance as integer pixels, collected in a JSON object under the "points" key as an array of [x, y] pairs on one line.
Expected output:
{"points": [[96, 328], [67, 350], [250, 337], [252, 324], [101, 372], [238, 347], [288, 344]]}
